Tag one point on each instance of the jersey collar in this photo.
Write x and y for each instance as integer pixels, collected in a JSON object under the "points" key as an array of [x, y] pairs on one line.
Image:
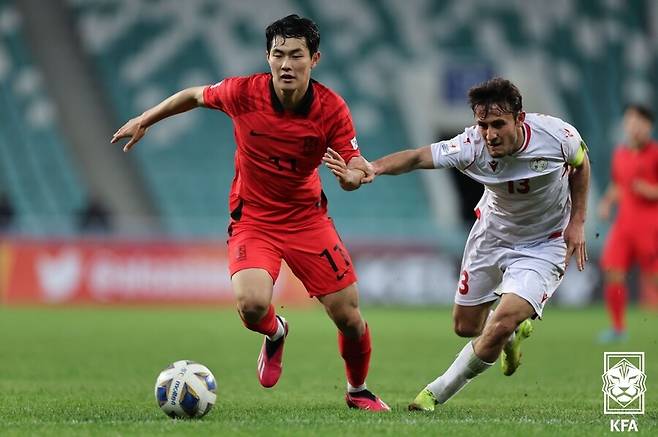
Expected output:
{"points": [[526, 140], [304, 106]]}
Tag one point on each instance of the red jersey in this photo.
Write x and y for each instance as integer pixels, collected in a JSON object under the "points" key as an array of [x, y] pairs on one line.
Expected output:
{"points": [[629, 165], [278, 151]]}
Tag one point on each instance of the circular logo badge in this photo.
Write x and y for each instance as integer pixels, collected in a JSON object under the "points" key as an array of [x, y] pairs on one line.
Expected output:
{"points": [[538, 165]]}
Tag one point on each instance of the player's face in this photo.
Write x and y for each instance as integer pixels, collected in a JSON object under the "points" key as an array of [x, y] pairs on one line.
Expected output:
{"points": [[502, 132], [637, 128], [291, 63]]}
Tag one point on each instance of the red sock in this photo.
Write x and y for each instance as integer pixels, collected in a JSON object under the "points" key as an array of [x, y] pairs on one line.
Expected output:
{"points": [[356, 353], [267, 325], [615, 297]]}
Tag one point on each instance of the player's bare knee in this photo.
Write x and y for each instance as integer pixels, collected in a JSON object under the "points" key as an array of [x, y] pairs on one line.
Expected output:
{"points": [[252, 309], [466, 328], [349, 323], [351, 326], [345, 315]]}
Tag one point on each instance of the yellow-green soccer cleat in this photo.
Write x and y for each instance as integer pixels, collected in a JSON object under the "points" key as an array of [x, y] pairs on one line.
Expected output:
{"points": [[510, 358], [425, 401]]}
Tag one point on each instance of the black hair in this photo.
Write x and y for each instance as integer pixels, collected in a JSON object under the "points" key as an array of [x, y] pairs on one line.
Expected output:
{"points": [[644, 111], [496, 92], [294, 26]]}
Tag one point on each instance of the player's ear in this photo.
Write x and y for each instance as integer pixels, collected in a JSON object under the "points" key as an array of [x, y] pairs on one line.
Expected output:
{"points": [[315, 59], [520, 118]]}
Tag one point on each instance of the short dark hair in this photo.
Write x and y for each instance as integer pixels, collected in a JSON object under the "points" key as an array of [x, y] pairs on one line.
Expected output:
{"points": [[496, 92], [644, 111], [294, 26]]}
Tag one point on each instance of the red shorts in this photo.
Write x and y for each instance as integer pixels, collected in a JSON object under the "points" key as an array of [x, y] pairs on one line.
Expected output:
{"points": [[316, 255], [628, 244]]}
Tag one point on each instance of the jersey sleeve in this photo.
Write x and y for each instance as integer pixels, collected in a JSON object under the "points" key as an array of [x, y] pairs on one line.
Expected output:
{"points": [[573, 146], [222, 95], [342, 135], [458, 152]]}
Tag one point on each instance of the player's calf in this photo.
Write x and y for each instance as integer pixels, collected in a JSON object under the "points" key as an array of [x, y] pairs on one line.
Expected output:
{"points": [[497, 332]]}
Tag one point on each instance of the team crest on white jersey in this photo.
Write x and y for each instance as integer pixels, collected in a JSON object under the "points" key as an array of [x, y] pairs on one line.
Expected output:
{"points": [[538, 165]]}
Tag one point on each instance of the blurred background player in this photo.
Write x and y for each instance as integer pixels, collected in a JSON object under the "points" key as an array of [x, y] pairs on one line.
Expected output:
{"points": [[284, 123], [530, 222], [633, 237]]}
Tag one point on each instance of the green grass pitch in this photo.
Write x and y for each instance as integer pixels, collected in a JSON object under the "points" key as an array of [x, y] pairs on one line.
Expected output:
{"points": [[91, 372]]}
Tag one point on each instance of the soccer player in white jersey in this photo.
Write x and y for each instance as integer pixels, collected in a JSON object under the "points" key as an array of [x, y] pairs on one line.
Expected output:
{"points": [[530, 221]]}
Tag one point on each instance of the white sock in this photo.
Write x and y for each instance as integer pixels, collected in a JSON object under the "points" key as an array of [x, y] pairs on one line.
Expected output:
{"points": [[511, 337], [352, 389], [466, 366], [280, 330]]}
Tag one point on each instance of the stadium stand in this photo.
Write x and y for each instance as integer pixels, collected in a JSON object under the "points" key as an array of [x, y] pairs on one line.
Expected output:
{"points": [[38, 174], [147, 50], [594, 56]]}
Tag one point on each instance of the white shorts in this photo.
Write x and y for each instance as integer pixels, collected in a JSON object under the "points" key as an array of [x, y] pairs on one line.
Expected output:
{"points": [[491, 268]]}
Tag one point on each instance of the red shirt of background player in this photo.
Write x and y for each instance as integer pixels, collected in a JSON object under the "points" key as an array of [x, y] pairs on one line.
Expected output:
{"points": [[633, 236], [278, 152], [628, 166]]}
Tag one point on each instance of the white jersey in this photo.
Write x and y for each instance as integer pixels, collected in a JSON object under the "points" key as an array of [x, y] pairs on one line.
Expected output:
{"points": [[526, 197]]}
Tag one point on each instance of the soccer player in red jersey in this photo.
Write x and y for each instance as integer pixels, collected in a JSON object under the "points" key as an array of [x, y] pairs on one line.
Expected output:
{"points": [[634, 233], [284, 124]]}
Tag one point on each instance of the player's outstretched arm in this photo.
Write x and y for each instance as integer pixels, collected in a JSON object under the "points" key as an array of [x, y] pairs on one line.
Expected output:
{"points": [[135, 128], [404, 161], [574, 234], [349, 175]]}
